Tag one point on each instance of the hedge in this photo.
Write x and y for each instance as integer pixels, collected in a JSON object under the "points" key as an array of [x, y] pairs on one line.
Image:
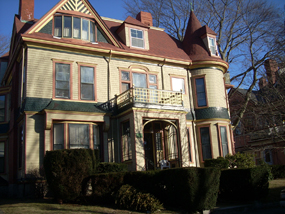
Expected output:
{"points": [[65, 170], [278, 171], [191, 189], [220, 162], [106, 167], [244, 184]]}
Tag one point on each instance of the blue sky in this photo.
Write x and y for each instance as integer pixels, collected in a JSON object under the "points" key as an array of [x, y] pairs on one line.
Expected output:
{"points": [[107, 8]]}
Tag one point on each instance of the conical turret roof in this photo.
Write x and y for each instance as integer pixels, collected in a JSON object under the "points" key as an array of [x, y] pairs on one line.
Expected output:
{"points": [[193, 43]]}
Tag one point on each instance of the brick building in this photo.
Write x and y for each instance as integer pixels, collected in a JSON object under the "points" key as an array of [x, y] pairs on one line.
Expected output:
{"points": [[261, 130], [74, 79]]}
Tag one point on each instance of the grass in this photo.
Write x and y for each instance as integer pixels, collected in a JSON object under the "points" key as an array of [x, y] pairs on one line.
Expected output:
{"points": [[49, 206], [275, 187]]}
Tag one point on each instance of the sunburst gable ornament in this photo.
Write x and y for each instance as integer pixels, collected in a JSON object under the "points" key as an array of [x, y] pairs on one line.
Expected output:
{"points": [[75, 5]]}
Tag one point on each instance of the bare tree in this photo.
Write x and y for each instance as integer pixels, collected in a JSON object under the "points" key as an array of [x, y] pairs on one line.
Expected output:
{"points": [[248, 31], [4, 44]]}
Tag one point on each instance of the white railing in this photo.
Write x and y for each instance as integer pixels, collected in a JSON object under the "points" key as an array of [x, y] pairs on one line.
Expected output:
{"points": [[145, 95]]}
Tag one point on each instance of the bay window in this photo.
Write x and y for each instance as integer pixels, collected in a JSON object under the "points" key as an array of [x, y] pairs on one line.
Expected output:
{"points": [[77, 28], [75, 136]]}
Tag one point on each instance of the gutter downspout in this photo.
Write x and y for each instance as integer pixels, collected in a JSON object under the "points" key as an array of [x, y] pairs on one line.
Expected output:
{"points": [[162, 79]]}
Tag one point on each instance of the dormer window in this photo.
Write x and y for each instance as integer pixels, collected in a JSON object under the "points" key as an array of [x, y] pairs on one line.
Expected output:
{"points": [[137, 38], [212, 45], [77, 28]]}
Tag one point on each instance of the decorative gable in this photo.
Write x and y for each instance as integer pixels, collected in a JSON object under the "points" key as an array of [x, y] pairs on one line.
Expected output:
{"points": [[76, 5], [75, 19]]}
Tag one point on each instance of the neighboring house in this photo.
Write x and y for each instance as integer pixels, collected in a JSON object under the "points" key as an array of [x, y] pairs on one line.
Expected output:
{"points": [[261, 131], [78, 80]]}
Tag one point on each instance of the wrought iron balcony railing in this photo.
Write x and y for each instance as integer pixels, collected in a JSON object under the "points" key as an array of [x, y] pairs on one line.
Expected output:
{"points": [[144, 95]]}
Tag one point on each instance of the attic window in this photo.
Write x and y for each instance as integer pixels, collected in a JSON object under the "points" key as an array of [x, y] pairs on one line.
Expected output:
{"points": [[212, 45], [137, 38], [78, 28]]}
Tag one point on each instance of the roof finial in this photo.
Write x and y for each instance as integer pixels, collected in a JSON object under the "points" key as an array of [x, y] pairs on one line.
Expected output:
{"points": [[191, 6]]}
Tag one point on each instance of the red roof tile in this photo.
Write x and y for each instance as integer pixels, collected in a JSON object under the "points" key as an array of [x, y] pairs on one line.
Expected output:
{"points": [[131, 20]]}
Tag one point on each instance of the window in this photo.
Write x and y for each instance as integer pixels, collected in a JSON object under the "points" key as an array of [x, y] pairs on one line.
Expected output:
{"points": [[78, 28], [2, 157], [78, 136], [58, 136], [2, 108], [57, 26], [200, 92], [224, 141], [126, 141], [87, 83], [21, 145], [189, 144], [178, 84], [172, 148], [62, 80], [205, 143], [83, 136], [67, 29], [137, 38], [96, 140], [268, 156], [138, 80], [212, 45]]}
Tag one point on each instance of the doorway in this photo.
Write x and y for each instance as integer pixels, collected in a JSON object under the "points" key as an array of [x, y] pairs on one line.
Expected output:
{"points": [[160, 143]]}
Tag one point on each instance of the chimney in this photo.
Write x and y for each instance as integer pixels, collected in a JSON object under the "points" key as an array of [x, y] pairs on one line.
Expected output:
{"points": [[271, 67], [262, 82], [26, 10], [145, 18]]}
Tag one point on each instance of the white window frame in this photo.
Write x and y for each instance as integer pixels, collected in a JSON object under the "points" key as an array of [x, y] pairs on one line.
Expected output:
{"points": [[136, 38], [212, 47]]}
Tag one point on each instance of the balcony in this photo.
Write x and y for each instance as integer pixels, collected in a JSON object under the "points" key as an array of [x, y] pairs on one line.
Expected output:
{"points": [[145, 98]]}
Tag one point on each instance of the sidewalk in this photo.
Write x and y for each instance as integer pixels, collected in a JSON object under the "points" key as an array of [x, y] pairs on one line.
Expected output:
{"points": [[255, 208]]}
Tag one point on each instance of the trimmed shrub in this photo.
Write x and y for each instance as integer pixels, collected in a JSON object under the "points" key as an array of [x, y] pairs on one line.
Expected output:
{"points": [[241, 160], [130, 198], [220, 162], [191, 189], [104, 187], [244, 184], [278, 171], [65, 170], [105, 167]]}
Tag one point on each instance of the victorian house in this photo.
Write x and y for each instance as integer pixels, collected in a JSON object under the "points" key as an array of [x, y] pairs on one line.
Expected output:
{"points": [[73, 79]]}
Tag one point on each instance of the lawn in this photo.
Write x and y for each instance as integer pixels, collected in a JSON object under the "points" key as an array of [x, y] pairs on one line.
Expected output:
{"points": [[49, 206]]}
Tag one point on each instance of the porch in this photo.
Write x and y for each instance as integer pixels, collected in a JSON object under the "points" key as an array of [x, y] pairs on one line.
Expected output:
{"points": [[144, 98]]}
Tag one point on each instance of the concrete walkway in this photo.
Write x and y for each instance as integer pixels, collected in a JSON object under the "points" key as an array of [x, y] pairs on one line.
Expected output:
{"points": [[256, 208]]}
